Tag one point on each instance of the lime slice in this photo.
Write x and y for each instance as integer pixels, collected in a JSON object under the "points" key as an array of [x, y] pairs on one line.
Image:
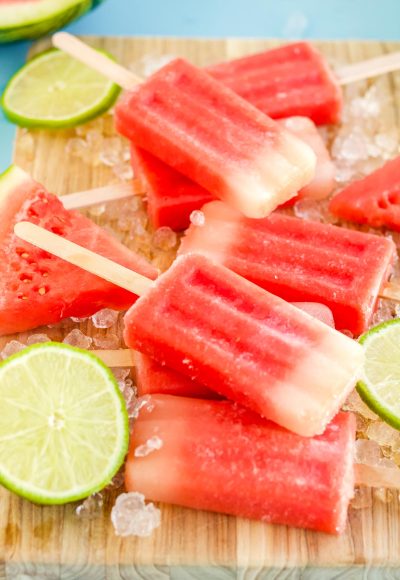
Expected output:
{"points": [[54, 90], [63, 426], [379, 385]]}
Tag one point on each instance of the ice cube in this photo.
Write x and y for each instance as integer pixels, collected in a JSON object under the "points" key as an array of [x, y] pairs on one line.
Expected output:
{"points": [[197, 218], [37, 338], [152, 444], [105, 318], [123, 171], [78, 339], [355, 404], [97, 210], [111, 152], [144, 402], [111, 341], [164, 238], [11, 348], [131, 516], [367, 452], [121, 373], [91, 508], [384, 434]]}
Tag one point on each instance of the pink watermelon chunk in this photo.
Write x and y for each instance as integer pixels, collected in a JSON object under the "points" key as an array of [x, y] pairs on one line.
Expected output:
{"points": [[374, 200], [218, 456], [37, 288]]}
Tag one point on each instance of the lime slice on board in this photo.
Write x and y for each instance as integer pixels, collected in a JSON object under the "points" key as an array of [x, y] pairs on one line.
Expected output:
{"points": [[63, 427], [379, 385], [56, 91]]}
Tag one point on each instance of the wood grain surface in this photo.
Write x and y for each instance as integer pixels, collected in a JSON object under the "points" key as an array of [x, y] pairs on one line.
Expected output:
{"points": [[51, 542]]}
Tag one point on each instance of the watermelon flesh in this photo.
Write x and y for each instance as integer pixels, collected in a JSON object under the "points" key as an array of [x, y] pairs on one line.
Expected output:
{"points": [[37, 288], [218, 456], [374, 200]]}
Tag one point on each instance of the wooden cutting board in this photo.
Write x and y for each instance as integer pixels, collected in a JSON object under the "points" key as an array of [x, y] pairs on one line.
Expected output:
{"points": [[51, 542]]}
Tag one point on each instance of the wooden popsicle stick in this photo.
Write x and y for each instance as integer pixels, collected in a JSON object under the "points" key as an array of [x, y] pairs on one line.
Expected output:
{"points": [[101, 195], [368, 68], [123, 357], [85, 259], [96, 60]]}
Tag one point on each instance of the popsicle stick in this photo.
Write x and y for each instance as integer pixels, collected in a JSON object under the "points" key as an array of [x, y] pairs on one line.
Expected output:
{"points": [[96, 60], [85, 259], [368, 68], [116, 358], [101, 195]]}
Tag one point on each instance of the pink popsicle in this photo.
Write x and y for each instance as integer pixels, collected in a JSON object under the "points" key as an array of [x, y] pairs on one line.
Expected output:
{"points": [[171, 197], [299, 260], [219, 456], [250, 346], [199, 127], [293, 79]]}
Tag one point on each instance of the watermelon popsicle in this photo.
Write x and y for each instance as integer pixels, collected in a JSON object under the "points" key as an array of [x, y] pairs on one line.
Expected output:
{"points": [[171, 197], [228, 334], [202, 129], [299, 260], [218, 456], [295, 79]]}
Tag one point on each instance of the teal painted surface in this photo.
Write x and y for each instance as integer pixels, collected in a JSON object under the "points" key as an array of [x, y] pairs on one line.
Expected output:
{"points": [[336, 19]]}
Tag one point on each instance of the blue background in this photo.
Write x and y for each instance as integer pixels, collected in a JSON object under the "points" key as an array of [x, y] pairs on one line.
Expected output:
{"points": [[325, 19]]}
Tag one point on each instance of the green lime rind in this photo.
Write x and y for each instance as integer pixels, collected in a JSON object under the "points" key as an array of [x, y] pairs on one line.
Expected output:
{"points": [[371, 391], [29, 23], [102, 102], [119, 448]]}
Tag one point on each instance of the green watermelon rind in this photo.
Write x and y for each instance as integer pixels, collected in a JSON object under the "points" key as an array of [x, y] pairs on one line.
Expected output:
{"points": [[30, 123], [33, 26], [10, 179]]}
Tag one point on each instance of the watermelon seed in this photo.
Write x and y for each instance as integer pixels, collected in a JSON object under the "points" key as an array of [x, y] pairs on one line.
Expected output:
{"points": [[26, 278], [22, 297], [42, 291], [25, 255]]}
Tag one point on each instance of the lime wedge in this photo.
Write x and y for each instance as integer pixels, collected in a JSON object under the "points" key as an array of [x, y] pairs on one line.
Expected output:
{"points": [[63, 426], [379, 385], [54, 91]]}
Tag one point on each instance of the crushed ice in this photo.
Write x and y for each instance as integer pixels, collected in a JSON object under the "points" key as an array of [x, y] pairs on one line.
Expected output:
{"points": [[105, 318], [152, 444], [131, 516], [78, 339]]}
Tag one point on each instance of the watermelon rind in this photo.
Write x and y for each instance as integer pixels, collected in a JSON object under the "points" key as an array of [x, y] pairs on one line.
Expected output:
{"points": [[10, 179], [28, 20]]}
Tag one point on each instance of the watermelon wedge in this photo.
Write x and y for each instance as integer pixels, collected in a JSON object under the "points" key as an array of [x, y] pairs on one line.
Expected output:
{"points": [[22, 19], [373, 200], [37, 288]]}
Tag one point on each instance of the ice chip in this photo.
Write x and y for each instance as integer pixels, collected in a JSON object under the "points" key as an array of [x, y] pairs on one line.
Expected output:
{"points": [[11, 348], [152, 444], [197, 218], [131, 516], [165, 238], [383, 434], [111, 341], [367, 452], [78, 339], [105, 318], [37, 338], [91, 508]]}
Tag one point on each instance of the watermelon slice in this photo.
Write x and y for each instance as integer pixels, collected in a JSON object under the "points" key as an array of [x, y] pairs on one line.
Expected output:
{"points": [[374, 200], [21, 19], [37, 288]]}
